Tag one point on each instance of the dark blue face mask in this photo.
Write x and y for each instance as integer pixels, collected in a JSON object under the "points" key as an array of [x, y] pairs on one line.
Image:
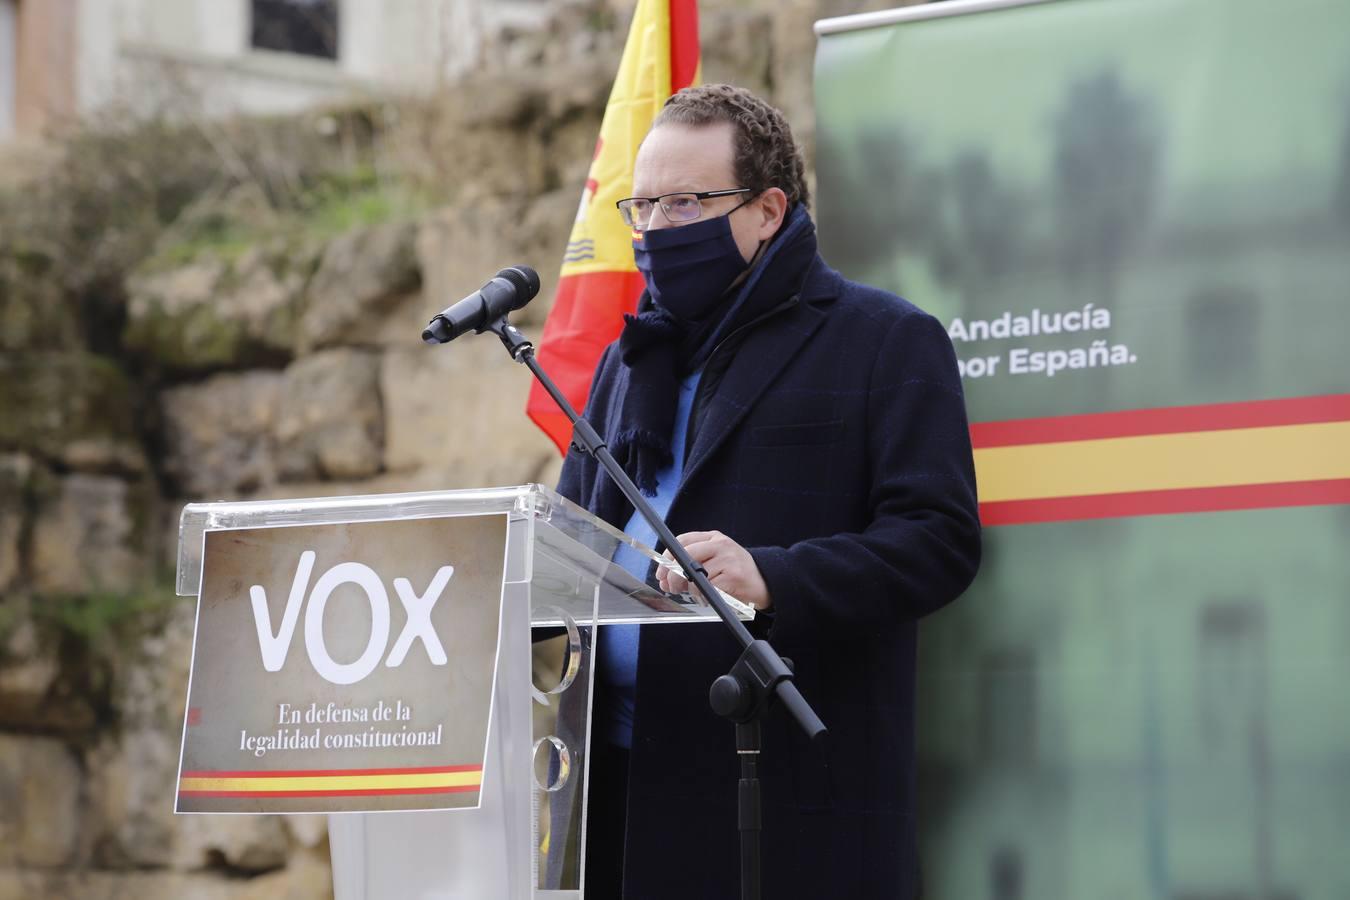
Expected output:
{"points": [[689, 268]]}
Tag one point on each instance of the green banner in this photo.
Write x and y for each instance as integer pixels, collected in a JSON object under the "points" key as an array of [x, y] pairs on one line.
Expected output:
{"points": [[1134, 219]]}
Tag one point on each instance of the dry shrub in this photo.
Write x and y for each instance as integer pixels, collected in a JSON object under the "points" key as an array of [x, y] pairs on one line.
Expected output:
{"points": [[106, 192]]}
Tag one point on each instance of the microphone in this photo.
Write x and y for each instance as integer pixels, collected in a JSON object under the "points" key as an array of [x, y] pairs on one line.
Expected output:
{"points": [[509, 290]]}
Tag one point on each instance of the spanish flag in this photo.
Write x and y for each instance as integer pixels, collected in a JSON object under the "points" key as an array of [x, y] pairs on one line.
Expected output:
{"points": [[310, 783], [599, 282], [1256, 454]]}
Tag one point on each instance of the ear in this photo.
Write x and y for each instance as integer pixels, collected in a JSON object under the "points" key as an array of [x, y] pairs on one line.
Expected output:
{"points": [[772, 207]]}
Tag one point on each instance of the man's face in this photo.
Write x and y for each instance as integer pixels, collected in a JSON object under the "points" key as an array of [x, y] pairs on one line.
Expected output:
{"points": [[676, 158]]}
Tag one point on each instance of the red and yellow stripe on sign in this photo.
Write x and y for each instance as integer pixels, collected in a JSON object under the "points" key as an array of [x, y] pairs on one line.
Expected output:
{"points": [[1226, 456], [332, 782], [599, 282]]}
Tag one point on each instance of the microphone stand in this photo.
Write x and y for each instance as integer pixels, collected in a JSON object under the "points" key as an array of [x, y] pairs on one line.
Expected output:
{"points": [[742, 695]]}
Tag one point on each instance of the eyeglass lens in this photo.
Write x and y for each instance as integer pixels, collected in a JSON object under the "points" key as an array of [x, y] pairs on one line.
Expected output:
{"points": [[637, 212]]}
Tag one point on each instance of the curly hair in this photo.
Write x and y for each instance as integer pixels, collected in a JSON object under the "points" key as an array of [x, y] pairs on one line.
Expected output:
{"points": [[765, 153]]}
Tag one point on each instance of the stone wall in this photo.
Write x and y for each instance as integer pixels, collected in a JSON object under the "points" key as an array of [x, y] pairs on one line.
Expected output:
{"points": [[291, 369], [297, 373]]}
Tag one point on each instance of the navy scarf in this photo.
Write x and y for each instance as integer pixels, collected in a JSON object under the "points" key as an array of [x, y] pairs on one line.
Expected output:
{"points": [[660, 350]]}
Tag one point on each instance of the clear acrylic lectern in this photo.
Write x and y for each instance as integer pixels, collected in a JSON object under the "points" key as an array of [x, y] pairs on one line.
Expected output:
{"points": [[527, 838]]}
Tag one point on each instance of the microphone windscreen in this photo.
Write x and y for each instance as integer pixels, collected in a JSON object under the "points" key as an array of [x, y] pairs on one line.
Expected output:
{"points": [[526, 281]]}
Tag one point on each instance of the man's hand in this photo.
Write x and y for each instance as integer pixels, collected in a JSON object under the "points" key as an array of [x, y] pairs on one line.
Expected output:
{"points": [[730, 568]]}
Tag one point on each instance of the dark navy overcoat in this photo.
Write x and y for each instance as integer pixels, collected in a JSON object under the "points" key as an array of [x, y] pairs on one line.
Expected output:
{"points": [[834, 445]]}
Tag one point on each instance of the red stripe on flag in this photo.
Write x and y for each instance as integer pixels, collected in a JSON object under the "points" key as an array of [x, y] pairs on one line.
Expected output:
{"points": [[1154, 503], [359, 792], [683, 43], [587, 315], [1166, 420]]}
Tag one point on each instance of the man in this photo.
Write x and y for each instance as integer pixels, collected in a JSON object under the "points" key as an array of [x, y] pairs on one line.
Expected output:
{"points": [[805, 438]]}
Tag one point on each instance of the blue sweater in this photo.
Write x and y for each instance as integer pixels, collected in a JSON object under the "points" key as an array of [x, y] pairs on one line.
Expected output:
{"points": [[618, 644]]}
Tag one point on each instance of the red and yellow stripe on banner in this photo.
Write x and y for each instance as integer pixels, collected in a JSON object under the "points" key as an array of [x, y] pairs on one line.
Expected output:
{"points": [[599, 282], [1225, 456], [332, 782]]}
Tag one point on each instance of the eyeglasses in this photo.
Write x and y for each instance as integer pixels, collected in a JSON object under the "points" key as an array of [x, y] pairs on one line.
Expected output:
{"points": [[685, 206]]}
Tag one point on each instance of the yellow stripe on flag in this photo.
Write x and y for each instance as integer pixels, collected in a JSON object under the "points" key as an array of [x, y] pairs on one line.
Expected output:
{"points": [[640, 90], [335, 782]]}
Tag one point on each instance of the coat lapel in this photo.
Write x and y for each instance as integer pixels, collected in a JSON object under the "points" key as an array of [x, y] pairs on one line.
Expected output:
{"points": [[756, 365]]}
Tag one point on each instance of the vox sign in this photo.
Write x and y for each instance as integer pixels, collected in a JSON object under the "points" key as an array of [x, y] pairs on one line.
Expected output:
{"points": [[274, 645]]}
